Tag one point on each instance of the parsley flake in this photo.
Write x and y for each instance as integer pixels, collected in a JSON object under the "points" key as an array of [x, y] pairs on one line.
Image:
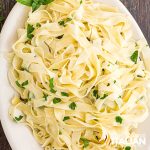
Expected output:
{"points": [[23, 84], [139, 76], [68, 19], [134, 57], [30, 30], [119, 96], [127, 148], [119, 119], [64, 94], [61, 23], [56, 100], [81, 1], [66, 118], [60, 133], [52, 91], [45, 96], [51, 85], [60, 37], [18, 118], [108, 84], [85, 142], [104, 96], [38, 25], [95, 94], [55, 69], [64, 21], [73, 106]]}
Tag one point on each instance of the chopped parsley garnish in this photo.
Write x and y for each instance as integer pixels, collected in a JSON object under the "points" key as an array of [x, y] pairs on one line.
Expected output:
{"points": [[35, 4], [25, 83], [30, 30], [68, 19], [127, 148], [55, 69], [96, 119], [60, 37], [64, 21], [115, 81], [61, 23], [52, 91], [139, 76], [104, 96], [64, 94], [119, 119], [18, 118], [60, 133], [45, 96], [22, 85], [73, 106], [108, 84], [141, 97], [134, 57], [85, 142], [56, 100], [51, 85], [66, 118], [95, 94], [38, 25]]}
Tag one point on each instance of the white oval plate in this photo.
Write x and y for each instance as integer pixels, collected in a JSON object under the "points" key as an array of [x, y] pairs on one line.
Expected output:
{"points": [[20, 137]]}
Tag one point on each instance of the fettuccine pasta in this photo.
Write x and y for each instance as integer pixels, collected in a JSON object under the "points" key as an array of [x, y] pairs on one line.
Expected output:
{"points": [[79, 75]]}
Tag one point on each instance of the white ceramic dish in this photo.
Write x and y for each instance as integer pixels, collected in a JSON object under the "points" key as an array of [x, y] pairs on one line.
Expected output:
{"points": [[20, 137]]}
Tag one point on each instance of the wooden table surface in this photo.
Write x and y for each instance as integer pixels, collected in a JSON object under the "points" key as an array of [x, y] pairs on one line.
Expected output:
{"points": [[140, 9]]}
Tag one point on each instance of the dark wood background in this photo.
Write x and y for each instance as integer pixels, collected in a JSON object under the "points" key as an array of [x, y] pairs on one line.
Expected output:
{"points": [[140, 9]]}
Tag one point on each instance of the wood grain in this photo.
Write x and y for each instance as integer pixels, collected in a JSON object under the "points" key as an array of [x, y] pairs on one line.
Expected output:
{"points": [[138, 8]]}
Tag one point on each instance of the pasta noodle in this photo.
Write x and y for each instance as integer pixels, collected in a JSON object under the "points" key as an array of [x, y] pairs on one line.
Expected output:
{"points": [[80, 79]]}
